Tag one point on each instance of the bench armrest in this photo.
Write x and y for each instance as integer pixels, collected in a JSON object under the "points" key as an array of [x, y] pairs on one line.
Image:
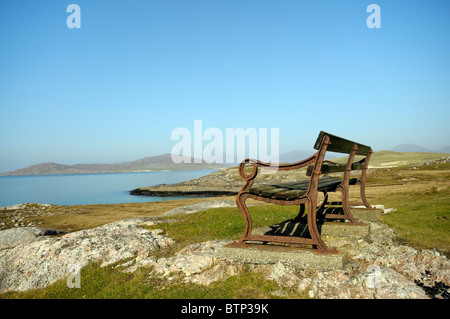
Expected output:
{"points": [[276, 166]]}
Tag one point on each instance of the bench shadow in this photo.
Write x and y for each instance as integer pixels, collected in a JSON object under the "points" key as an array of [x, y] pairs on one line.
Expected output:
{"points": [[294, 228]]}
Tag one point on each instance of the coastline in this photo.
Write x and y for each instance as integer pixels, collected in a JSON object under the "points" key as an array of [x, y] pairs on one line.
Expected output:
{"points": [[223, 182], [180, 193], [77, 217]]}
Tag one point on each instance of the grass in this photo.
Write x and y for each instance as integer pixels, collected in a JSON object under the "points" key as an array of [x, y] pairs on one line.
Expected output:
{"points": [[391, 158], [77, 217], [421, 197], [422, 219], [222, 223], [110, 283]]}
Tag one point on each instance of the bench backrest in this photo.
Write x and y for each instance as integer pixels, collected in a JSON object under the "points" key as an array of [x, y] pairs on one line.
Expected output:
{"points": [[341, 145]]}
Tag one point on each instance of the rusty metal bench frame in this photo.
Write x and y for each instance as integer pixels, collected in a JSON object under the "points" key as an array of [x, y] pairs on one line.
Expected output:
{"points": [[317, 166]]}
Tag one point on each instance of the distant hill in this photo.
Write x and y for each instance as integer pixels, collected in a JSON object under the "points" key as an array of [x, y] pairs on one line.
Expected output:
{"points": [[164, 162], [152, 163], [295, 156], [411, 148], [392, 159], [444, 150], [378, 159], [418, 148]]}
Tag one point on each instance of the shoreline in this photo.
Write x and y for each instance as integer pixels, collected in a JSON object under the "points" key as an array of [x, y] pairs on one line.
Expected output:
{"points": [[179, 193], [77, 217], [6, 174]]}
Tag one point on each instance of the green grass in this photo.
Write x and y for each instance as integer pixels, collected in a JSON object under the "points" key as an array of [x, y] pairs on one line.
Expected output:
{"points": [[222, 223], [379, 158], [110, 283], [422, 219]]}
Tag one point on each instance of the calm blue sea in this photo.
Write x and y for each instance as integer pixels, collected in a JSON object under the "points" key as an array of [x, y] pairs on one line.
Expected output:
{"points": [[81, 189]]}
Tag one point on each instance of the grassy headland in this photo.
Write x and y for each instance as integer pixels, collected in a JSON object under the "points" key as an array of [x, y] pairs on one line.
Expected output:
{"points": [[419, 193]]}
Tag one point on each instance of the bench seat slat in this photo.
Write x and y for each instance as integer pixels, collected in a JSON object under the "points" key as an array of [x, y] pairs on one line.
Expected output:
{"points": [[296, 189]]}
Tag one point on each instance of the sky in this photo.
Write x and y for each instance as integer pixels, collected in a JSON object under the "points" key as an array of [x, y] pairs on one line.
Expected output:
{"points": [[116, 88]]}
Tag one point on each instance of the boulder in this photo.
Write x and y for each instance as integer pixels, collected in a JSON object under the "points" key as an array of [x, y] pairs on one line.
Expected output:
{"points": [[13, 237], [31, 260]]}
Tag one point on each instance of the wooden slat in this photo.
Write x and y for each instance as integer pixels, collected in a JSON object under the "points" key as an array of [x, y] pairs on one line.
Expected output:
{"points": [[334, 168], [300, 185], [290, 191], [290, 194], [341, 145]]}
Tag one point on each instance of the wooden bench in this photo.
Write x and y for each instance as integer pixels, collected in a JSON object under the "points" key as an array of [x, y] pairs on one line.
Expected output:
{"points": [[305, 192]]}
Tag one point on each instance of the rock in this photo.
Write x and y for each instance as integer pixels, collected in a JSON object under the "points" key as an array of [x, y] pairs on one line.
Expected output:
{"points": [[13, 237], [218, 272], [304, 284], [377, 282], [284, 275], [387, 211], [192, 259], [41, 262], [14, 207], [198, 264]]}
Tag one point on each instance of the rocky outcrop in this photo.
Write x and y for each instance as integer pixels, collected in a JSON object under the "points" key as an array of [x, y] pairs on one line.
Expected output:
{"points": [[32, 259], [223, 182], [22, 215], [440, 160], [201, 264], [13, 237]]}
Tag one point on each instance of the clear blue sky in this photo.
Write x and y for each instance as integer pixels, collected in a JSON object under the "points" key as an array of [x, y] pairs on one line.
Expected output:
{"points": [[116, 88]]}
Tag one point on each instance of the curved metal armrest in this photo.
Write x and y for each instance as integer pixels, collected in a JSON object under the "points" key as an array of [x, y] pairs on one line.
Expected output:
{"points": [[277, 166]]}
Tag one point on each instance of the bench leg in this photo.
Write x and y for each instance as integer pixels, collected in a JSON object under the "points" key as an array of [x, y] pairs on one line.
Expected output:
{"points": [[362, 181], [348, 215], [311, 218], [314, 232], [362, 191], [240, 203]]}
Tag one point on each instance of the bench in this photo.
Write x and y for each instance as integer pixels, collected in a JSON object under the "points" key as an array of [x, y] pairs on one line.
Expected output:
{"points": [[305, 192]]}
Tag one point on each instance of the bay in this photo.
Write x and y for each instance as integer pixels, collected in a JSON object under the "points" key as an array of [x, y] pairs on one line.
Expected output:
{"points": [[85, 189]]}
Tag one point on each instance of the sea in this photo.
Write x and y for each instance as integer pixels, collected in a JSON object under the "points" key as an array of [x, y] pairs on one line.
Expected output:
{"points": [[85, 189]]}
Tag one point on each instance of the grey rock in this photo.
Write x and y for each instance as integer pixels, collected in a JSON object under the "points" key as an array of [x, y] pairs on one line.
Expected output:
{"points": [[13, 237], [42, 262], [198, 263], [284, 275]]}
